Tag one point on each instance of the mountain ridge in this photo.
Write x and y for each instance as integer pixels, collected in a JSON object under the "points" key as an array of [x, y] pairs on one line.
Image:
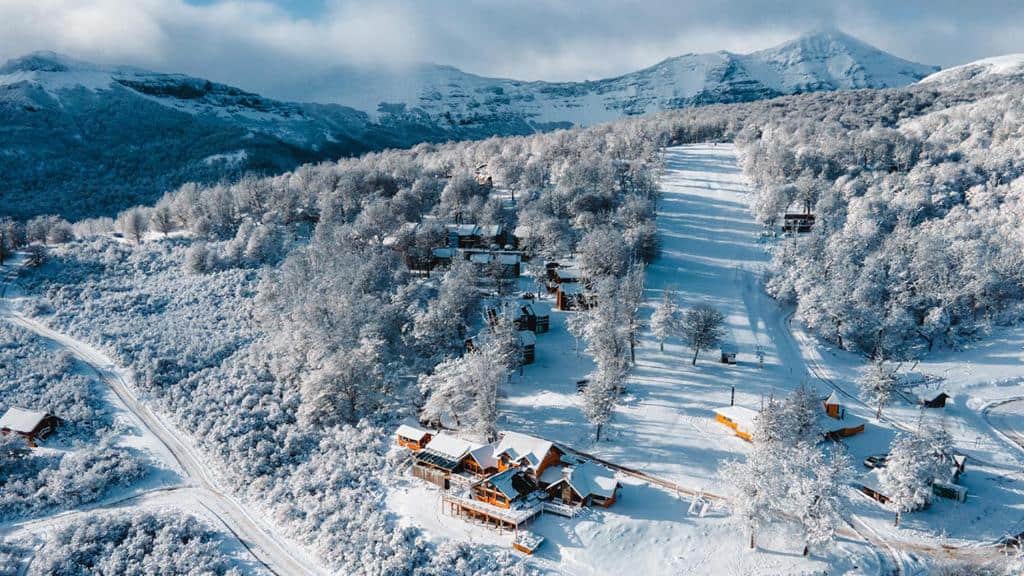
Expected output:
{"points": [[826, 59], [88, 140]]}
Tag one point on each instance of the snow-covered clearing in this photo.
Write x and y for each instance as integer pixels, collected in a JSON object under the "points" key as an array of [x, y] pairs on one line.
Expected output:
{"points": [[712, 253]]}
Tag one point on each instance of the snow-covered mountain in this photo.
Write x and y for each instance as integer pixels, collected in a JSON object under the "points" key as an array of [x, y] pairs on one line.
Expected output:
{"points": [[85, 140], [823, 60], [1000, 66]]}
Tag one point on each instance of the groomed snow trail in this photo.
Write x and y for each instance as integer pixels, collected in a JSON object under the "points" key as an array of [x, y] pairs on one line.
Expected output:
{"points": [[270, 549], [710, 253]]}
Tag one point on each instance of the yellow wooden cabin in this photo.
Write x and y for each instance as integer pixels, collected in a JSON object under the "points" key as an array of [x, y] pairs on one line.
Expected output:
{"points": [[739, 419]]}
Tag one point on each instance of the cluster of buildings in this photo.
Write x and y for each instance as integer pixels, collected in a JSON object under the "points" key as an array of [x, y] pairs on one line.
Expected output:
{"points": [[836, 424], [489, 247], [509, 482]]}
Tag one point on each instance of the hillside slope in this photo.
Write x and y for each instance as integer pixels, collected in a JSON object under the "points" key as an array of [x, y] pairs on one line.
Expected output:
{"points": [[83, 140]]}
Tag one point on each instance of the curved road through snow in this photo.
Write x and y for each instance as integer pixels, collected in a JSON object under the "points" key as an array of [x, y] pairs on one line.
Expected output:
{"points": [[269, 548]]}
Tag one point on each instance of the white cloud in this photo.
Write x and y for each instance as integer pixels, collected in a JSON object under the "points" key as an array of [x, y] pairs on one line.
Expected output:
{"points": [[257, 44]]}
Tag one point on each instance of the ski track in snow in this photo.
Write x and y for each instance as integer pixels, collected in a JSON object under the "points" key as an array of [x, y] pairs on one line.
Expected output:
{"points": [[203, 488]]}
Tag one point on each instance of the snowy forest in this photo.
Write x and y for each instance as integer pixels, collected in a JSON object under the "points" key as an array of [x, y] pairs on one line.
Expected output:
{"points": [[269, 319], [279, 321]]}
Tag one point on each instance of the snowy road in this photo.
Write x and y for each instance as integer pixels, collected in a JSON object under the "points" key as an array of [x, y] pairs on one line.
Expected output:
{"points": [[270, 549]]}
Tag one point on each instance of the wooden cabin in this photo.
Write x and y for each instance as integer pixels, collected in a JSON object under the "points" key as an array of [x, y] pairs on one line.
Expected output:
{"points": [[528, 319], [797, 223], [493, 236], [835, 423], [871, 485], [729, 351], [483, 177], [581, 483], [938, 401], [739, 419], [29, 424], [833, 408], [443, 456], [571, 297], [413, 438], [481, 461], [504, 488], [528, 344], [463, 235], [528, 453]]}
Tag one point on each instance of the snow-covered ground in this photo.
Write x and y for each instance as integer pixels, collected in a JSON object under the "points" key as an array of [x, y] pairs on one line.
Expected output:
{"points": [[712, 252]]}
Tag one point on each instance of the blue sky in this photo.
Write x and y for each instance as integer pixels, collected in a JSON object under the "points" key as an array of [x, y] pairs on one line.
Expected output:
{"points": [[257, 44]]}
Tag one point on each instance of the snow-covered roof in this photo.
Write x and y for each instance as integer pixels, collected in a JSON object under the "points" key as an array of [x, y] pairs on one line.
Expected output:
{"points": [[484, 456], [572, 288], [464, 229], [509, 258], [519, 446], [566, 273], [833, 398], [740, 415], [872, 480], [444, 252], [490, 230], [452, 447], [480, 258], [522, 231], [527, 338], [411, 432], [505, 482], [586, 478], [21, 420]]}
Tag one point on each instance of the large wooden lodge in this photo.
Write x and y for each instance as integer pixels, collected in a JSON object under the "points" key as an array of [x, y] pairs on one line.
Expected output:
{"points": [[507, 483]]}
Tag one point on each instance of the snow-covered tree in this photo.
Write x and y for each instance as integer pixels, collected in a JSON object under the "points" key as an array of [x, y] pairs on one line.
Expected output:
{"points": [[35, 255], [133, 224], [667, 318], [605, 330], [801, 412], [916, 460], [814, 496], [464, 391], [161, 219], [757, 484], [441, 327], [703, 328], [878, 385], [603, 252]]}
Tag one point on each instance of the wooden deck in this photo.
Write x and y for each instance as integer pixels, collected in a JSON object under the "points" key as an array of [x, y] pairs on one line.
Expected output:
{"points": [[500, 518]]}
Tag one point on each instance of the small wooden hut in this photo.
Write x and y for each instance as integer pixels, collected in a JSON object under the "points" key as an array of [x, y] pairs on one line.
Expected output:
{"points": [[412, 437]]}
